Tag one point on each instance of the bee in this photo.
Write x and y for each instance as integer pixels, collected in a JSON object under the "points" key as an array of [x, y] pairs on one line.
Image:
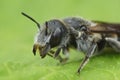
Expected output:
{"points": [[90, 37]]}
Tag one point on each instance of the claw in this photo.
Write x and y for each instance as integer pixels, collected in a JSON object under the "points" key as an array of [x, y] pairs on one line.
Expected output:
{"points": [[34, 49], [45, 50]]}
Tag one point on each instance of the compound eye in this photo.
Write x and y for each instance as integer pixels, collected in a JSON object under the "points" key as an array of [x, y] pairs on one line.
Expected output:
{"points": [[83, 28]]}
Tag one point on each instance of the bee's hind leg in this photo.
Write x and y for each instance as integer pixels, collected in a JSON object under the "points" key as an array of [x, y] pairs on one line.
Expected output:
{"points": [[114, 43]]}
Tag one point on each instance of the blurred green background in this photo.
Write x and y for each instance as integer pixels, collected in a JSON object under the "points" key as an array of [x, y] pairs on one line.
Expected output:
{"points": [[17, 34]]}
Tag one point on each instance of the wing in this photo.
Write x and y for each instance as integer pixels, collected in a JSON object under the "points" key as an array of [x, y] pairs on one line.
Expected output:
{"points": [[104, 27]]}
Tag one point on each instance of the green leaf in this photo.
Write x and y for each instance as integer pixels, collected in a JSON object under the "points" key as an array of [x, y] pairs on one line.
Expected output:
{"points": [[105, 66]]}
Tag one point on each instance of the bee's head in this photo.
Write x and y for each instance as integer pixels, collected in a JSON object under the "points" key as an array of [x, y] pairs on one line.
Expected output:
{"points": [[42, 42], [48, 37], [42, 39]]}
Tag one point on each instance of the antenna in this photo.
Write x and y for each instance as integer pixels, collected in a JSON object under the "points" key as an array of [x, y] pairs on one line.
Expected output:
{"points": [[31, 19]]}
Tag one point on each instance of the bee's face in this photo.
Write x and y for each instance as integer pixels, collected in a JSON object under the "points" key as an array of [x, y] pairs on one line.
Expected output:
{"points": [[42, 43]]}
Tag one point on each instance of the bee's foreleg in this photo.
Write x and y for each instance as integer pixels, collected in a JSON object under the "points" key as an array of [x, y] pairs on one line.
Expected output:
{"points": [[87, 56], [63, 44], [114, 43], [51, 54]]}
